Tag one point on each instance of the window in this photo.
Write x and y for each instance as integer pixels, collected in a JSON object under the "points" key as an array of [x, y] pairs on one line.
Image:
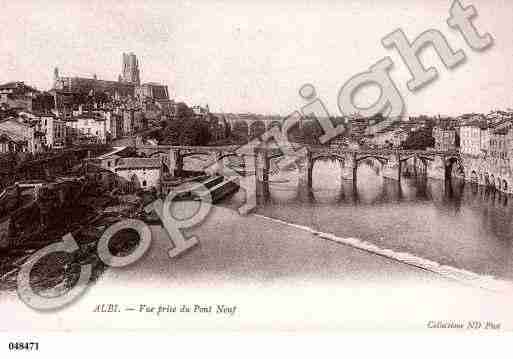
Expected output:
{"points": [[144, 183]]}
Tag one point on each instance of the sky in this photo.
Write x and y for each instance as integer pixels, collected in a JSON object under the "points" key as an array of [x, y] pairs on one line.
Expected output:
{"points": [[253, 56]]}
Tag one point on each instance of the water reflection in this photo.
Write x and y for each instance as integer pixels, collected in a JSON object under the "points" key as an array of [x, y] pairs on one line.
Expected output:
{"points": [[451, 222]]}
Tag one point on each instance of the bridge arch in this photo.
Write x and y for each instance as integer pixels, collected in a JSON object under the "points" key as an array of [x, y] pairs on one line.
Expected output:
{"points": [[449, 163], [329, 156], [210, 158], [241, 157], [233, 154], [159, 153], [336, 163], [380, 159], [424, 160], [188, 154], [492, 181], [275, 123], [358, 160], [473, 176]]}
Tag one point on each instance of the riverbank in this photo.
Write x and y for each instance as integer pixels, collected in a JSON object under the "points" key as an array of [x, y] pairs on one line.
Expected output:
{"points": [[277, 277], [450, 223]]}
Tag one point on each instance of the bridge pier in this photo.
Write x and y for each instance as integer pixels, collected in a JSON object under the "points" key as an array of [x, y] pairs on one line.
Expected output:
{"points": [[415, 164], [342, 165], [424, 167], [447, 172], [175, 162], [261, 164], [265, 175], [354, 167], [309, 169], [399, 167], [355, 173]]}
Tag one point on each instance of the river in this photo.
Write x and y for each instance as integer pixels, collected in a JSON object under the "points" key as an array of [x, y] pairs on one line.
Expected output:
{"points": [[452, 223]]}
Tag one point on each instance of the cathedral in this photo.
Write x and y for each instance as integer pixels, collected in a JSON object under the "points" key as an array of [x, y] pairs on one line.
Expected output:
{"points": [[128, 80]]}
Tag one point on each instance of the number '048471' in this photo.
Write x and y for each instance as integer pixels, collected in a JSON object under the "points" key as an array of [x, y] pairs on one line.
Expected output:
{"points": [[23, 346]]}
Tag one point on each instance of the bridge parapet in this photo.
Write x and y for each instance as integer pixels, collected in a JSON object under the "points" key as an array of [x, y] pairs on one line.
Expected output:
{"points": [[312, 148]]}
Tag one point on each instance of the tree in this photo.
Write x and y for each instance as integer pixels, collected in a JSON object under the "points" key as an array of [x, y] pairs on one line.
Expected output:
{"points": [[140, 121], [420, 139], [227, 129], [43, 102], [183, 111], [194, 133], [171, 133], [185, 129]]}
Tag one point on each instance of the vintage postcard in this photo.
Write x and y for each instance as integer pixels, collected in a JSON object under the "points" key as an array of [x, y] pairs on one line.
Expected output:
{"points": [[287, 165]]}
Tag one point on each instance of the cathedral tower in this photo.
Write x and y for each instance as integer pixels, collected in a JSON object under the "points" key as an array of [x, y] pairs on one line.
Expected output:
{"points": [[130, 69]]}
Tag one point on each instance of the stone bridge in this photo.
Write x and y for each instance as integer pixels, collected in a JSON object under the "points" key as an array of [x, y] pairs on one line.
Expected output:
{"points": [[435, 164], [253, 125]]}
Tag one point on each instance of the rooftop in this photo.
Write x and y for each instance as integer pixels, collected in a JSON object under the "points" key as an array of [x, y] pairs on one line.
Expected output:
{"points": [[5, 138], [112, 153], [14, 121], [136, 162], [37, 113], [17, 85], [90, 116], [501, 124], [152, 84], [501, 131], [476, 123], [15, 137]]}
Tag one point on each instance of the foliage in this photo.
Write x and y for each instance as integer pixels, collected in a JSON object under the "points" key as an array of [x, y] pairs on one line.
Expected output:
{"points": [[420, 139], [194, 132], [185, 129], [43, 102], [227, 129], [140, 121], [311, 130]]}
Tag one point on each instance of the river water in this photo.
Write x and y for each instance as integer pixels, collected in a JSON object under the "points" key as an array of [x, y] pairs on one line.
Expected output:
{"points": [[452, 223]]}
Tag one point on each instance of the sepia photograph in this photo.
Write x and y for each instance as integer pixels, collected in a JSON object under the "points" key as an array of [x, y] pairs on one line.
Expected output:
{"points": [[255, 166]]}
